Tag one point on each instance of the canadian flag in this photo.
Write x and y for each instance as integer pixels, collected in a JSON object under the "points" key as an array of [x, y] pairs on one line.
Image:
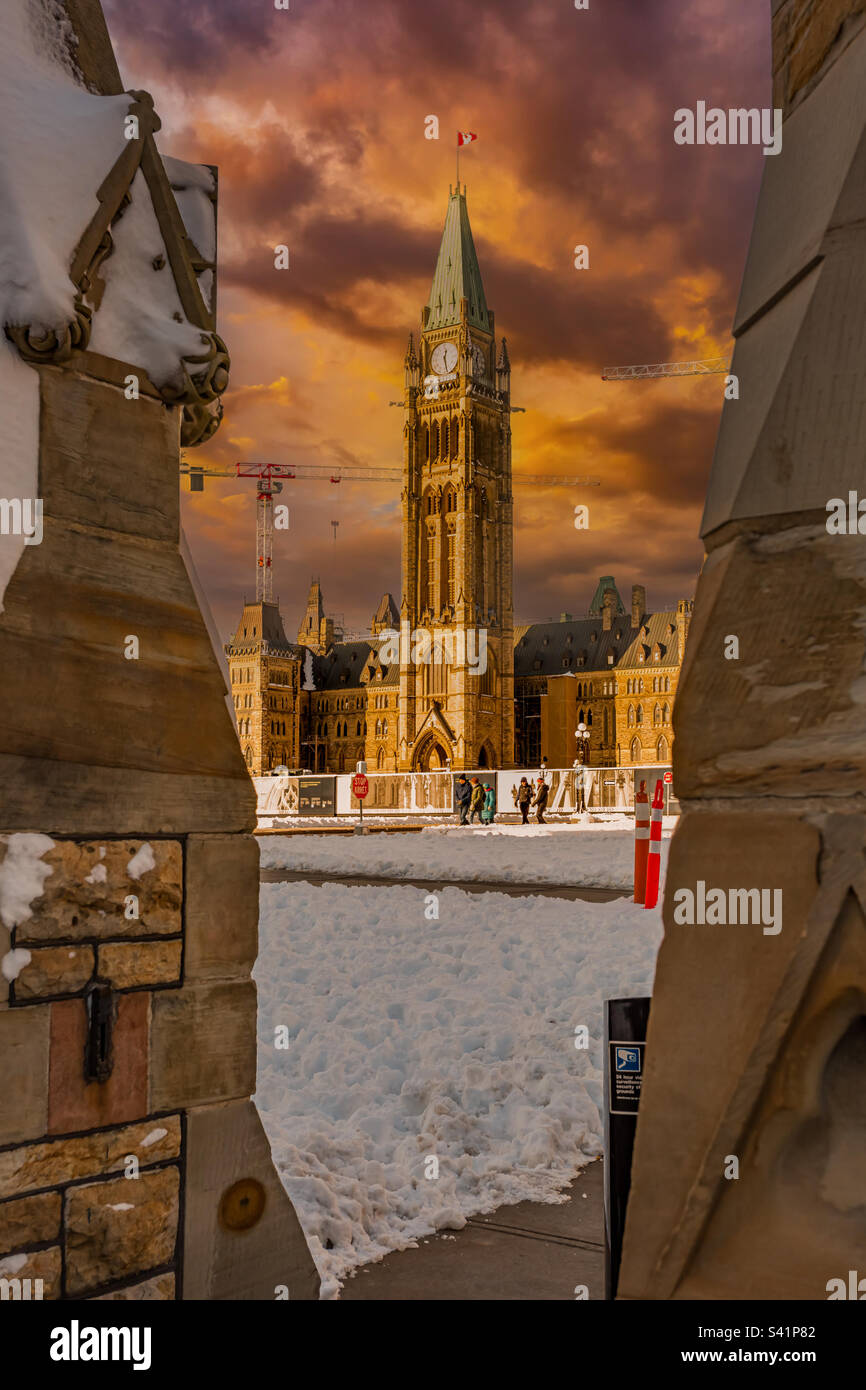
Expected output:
{"points": [[465, 137]]}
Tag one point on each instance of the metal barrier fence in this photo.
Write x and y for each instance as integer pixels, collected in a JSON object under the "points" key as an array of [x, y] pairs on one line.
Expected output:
{"points": [[433, 793]]}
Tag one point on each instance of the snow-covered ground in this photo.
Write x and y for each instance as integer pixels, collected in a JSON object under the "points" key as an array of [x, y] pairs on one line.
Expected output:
{"points": [[411, 1039], [598, 852]]}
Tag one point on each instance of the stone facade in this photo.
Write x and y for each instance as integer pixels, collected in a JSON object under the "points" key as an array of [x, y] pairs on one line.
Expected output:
{"points": [[616, 672], [770, 752]]}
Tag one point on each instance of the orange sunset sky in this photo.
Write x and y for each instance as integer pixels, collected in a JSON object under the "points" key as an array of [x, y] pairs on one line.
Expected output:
{"points": [[315, 117]]}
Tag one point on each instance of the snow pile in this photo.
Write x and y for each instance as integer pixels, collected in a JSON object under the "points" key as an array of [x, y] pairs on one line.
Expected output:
{"points": [[593, 855], [22, 876], [410, 1038], [58, 142]]}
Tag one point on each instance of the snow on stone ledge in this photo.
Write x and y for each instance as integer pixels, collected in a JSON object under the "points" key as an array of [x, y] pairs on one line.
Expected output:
{"points": [[22, 876]]}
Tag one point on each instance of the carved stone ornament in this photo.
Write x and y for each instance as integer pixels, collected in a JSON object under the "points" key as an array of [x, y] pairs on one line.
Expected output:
{"points": [[204, 376]]}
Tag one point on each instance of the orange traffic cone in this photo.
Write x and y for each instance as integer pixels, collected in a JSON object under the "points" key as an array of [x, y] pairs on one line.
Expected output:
{"points": [[655, 847], [641, 841]]}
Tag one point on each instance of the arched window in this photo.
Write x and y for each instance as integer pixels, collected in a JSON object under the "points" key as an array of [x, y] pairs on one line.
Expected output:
{"points": [[384, 728], [455, 437], [325, 731], [426, 443], [451, 560], [657, 715], [432, 539], [666, 717], [380, 758], [445, 439], [435, 439], [606, 725], [640, 714], [589, 718], [249, 757], [487, 679], [631, 716], [357, 728], [378, 728], [667, 684], [581, 718], [662, 750], [635, 750], [341, 762]]}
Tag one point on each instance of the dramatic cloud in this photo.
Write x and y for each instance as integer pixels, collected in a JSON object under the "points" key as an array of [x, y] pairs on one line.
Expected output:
{"points": [[315, 116]]}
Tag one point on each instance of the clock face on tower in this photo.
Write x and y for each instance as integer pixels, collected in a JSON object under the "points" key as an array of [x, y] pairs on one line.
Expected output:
{"points": [[443, 359]]}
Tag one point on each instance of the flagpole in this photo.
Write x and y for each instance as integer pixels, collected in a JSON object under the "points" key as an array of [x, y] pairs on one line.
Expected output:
{"points": [[458, 163]]}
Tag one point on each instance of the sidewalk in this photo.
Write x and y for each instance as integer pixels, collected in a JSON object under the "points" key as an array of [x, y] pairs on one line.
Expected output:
{"points": [[526, 1252]]}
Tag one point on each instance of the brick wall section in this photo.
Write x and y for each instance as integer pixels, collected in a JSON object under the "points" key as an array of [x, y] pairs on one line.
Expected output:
{"points": [[806, 35], [88, 1212]]}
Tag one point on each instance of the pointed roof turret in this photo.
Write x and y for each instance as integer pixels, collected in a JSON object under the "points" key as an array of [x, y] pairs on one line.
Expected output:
{"points": [[605, 585], [410, 359], [503, 363], [457, 275]]}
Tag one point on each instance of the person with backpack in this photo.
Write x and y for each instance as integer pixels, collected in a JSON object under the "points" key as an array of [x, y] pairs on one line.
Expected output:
{"points": [[540, 801], [476, 803], [524, 799]]}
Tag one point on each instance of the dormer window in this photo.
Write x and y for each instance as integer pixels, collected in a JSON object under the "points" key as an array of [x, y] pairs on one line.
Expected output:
{"points": [[546, 642], [611, 657], [593, 637]]}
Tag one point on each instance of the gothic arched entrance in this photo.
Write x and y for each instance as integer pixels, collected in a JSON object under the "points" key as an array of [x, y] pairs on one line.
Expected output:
{"points": [[432, 756], [486, 756]]}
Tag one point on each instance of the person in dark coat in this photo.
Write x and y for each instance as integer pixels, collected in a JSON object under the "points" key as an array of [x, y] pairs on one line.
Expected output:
{"points": [[540, 801], [464, 796], [477, 801], [524, 799]]}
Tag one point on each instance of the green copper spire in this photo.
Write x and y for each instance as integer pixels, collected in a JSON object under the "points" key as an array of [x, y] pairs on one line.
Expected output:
{"points": [[457, 274]]}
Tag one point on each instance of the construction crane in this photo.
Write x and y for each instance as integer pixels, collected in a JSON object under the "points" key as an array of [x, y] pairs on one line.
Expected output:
{"points": [[711, 367], [270, 478]]}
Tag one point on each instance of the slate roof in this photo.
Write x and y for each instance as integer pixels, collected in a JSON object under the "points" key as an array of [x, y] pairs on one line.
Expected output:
{"points": [[342, 667], [549, 643], [457, 275], [263, 622]]}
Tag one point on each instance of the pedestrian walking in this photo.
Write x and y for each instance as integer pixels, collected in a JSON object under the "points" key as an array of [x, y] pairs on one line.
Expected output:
{"points": [[489, 803], [540, 801], [523, 798], [476, 804], [464, 796]]}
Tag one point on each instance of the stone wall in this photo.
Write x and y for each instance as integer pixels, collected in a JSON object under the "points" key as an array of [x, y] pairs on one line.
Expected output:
{"points": [[133, 1164], [748, 1178], [124, 783]]}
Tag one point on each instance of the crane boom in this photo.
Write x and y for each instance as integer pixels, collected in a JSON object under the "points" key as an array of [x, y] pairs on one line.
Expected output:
{"points": [[271, 472], [710, 367]]}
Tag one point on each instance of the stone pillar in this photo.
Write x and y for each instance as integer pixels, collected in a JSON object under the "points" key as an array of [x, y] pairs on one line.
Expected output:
{"points": [[132, 1162], [748, 1178]]}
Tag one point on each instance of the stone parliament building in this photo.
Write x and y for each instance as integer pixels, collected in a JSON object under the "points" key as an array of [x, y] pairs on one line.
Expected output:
{"points": [[326, 704]]}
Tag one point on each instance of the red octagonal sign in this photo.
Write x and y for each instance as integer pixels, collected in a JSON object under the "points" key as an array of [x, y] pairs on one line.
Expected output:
{"points": [[360, 786], [669, 776]]}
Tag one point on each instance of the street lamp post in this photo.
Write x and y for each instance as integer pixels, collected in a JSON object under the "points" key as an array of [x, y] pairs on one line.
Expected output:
{"points": [[583, 735]]}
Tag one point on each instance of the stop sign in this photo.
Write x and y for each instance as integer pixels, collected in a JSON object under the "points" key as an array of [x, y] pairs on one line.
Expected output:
{"points": [[360, 786], [669, 776]]}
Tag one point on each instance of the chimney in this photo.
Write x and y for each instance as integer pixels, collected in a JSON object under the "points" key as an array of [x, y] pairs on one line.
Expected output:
{"points": [[638, 604], [684, 617], [608, 604]]}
